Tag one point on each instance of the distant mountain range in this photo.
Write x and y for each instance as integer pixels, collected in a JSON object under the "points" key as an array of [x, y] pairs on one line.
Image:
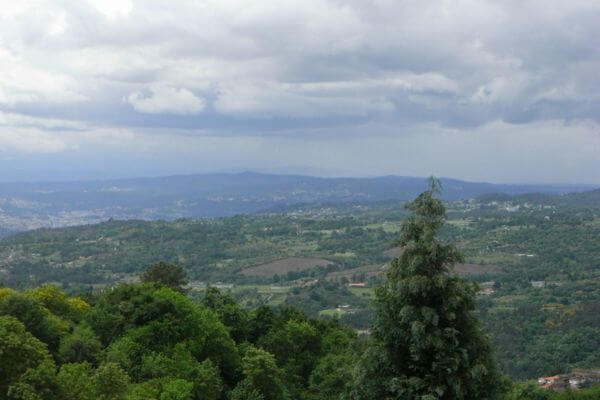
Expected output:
{"points": [[589, 199], [26, 206]]}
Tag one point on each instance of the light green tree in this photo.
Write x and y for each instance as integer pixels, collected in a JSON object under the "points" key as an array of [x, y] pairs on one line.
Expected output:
{"points": [[19, 352], [110, 382], [262, 374], [75, 383], [177, 389], [39, 322]]}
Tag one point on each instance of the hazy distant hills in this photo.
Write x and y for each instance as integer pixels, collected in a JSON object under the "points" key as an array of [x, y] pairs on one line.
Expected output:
{"points": [[32, 205], [588, 199]]}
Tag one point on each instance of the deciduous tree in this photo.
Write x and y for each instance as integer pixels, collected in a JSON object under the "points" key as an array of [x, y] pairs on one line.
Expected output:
{"points": [[19, 352], [172, 276]]}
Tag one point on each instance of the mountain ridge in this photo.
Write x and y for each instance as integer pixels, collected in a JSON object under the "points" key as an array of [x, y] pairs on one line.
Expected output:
{"points": [[30, 205]]}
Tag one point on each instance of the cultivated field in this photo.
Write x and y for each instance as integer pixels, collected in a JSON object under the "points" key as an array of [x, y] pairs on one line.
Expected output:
{"points": [[283, 266]]}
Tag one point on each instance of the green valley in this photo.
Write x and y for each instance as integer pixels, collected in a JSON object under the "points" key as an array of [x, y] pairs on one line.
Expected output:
{"points": [[536, 264]]}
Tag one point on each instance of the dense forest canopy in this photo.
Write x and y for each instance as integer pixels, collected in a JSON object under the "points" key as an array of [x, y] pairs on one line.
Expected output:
{"points": [[145, 341]]}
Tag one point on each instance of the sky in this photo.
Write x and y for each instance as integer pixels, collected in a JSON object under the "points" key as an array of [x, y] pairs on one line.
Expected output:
{"points": [[486, 90]]}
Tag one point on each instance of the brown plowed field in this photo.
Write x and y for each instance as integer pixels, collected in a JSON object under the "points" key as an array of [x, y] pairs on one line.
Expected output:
{"points": [[283, 266]]}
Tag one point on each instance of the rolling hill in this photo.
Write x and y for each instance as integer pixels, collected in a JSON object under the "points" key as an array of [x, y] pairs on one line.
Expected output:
{"points": [[25, 206]]}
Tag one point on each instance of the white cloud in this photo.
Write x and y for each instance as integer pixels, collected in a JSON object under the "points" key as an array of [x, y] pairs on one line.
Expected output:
{"points": [[167, 100], [24, 82], [14, 120], [291, 100], [112, 9], [495, 55], [100, 71], [28, 140]]}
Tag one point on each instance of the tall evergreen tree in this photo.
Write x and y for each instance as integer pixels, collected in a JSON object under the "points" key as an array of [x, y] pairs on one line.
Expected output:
{"points": [[426, 343]]}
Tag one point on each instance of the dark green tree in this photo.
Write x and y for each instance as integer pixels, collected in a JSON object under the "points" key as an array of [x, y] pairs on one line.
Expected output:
{"points": [[81, 345], [528, 391], [245, 391], [332, 375], [262, 375], [20, 352], [169, 275], [37, 383], [426, 343], [234, 317]]}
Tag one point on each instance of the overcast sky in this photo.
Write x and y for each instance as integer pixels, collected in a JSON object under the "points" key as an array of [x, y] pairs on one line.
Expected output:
{"points": [[501, 91]]}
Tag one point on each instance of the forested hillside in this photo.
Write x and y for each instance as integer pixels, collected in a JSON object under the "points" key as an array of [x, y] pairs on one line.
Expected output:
{"points": [[31, 205], [536, 262], [150, 341], [147, 342]]}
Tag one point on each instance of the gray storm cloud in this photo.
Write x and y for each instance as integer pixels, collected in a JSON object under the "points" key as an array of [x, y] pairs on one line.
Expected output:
{"points": [[238, 79]]}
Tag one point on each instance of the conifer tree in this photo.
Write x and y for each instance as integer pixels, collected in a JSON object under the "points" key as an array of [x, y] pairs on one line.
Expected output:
{"points": [[426, 343]]}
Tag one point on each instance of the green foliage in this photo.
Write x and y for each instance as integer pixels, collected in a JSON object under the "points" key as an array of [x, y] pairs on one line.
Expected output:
{"points": [[584, 394], [544, 239], [152, 324], [245, 391], [296, 347], [234, 317], [528, 391], [165, 274], [143, 391], [177, 389], [53, 300], [324, 295], [75, 382], [37, 383], [164, 346], [20, 351], [79, 346], [43, 325], [147, 342], [263, 375], [332, 375], [426, 342], [533, 330], [110, 382], [181, 364]]}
